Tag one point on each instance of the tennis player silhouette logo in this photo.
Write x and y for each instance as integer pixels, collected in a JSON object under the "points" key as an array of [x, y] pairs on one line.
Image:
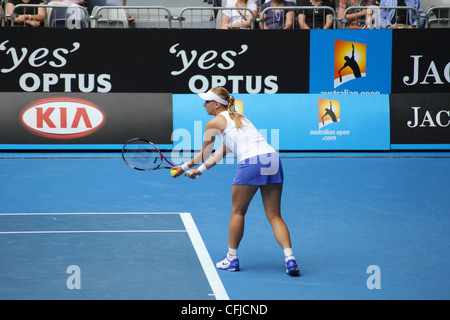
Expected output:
{"points": [[349, 61], [329, 112]]}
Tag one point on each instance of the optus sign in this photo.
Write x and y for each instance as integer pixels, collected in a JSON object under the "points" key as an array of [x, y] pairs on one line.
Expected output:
{"points": [[62, 118]]}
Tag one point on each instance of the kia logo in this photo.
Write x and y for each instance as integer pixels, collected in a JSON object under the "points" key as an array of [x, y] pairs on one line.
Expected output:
{"points": [[62, 118]]}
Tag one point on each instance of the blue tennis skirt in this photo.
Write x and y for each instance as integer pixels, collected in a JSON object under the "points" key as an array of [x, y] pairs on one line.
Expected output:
{"points": [[259, 170]]}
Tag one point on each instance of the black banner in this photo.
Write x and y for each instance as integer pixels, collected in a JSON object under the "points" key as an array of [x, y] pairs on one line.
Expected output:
{"points": [[420, 61], [420, 118], [153, 60], [81, 118]]}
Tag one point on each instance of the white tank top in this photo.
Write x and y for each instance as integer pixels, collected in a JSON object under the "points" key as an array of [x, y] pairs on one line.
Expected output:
{"points": [[246, 142]]}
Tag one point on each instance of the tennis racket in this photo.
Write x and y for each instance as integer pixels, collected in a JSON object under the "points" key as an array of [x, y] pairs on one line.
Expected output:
{"points": [[144, 155]]}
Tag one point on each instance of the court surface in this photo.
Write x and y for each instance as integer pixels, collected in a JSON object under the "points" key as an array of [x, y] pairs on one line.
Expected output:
{"points": [[88, 220]]}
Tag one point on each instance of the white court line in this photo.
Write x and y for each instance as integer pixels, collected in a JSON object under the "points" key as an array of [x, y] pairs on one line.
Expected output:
{"points": [[81, 213], [86, 231], [89, 231], [202, 253], [203, 256]]}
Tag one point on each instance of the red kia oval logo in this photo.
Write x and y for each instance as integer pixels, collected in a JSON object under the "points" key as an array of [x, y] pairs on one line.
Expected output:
{"points": [[62, 118]]}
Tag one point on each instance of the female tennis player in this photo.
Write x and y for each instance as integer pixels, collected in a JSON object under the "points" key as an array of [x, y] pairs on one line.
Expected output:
{"points": [[259, 168]]}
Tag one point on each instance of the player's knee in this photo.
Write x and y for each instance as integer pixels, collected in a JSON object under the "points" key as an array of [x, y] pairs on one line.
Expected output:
{"points": [[239, 211], [274, 217]]}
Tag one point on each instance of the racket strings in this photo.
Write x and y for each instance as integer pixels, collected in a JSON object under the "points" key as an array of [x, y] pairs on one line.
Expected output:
{"points": [[142, 155]]}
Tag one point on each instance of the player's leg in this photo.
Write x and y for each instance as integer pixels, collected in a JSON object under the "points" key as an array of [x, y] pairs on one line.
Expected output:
{"points": [[271, 196], [241, 196]]}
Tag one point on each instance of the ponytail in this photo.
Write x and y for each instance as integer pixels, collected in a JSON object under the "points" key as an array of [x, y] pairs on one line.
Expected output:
{"points": [[236, 117]]}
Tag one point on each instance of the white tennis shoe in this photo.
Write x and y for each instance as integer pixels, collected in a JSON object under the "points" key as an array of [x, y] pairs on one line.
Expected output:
{"points": [[230, 265]]}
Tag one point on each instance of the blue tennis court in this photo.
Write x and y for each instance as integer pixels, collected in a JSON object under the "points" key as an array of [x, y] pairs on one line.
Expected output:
{"points": [[87, 220], [108, 256]]}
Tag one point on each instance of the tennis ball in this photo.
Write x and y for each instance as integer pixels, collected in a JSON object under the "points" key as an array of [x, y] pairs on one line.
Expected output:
{"points": [[173, 171]]}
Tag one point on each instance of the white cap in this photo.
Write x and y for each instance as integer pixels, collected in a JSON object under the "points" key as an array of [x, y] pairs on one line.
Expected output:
{"points": [[211, 96]]}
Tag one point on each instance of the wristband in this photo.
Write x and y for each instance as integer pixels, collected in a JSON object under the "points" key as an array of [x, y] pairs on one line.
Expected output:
{"points": [[202, 168], [185, 167]]}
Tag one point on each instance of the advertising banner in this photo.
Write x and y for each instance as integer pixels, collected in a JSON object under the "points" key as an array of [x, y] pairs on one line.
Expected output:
{"points": [[296, 121], [152, 60], [420, 121], [83, 119], [350, 61], [422, 61], [316, 90]]}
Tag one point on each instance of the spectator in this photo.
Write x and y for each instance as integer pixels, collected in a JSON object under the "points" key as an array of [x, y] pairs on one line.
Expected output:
{"points": [[52, 11], [373, 15], [277, 18], [27, 16], [315, 18], [216, 3], [392, 18], [358, 18], [129, 17], [239, 19]]}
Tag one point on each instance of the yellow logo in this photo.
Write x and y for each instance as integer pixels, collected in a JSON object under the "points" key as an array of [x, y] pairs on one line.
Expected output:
{"points": [[329, 112], [349, 61]]}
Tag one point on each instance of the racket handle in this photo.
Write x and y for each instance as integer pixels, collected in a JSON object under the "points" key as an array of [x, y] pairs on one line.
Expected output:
{"points": [[188, 174]]}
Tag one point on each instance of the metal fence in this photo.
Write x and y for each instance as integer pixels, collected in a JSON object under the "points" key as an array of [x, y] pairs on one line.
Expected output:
{"points": [[143, 17], [319, 16], [378, 12], [160, 17], [438, 17], [53, 16], [201, 17]]}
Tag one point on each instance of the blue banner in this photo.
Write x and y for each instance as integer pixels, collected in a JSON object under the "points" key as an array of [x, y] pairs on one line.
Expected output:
{"points": [[350, 61], [296, 121]]}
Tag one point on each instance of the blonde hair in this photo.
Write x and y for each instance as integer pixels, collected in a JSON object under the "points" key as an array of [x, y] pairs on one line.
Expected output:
{"points": [[236, 117]]}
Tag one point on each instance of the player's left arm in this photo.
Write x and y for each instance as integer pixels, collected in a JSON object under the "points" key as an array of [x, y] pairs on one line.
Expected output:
{"points": [[214, 127], [214, 159]]}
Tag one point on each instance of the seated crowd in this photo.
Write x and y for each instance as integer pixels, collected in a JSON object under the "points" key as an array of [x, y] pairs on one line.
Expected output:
{"points": [[320, 16], [33, 16], [264, 14]]}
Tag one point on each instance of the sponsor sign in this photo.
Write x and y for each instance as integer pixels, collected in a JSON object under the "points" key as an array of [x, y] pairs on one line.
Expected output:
{"points": [[296, 121], [350, 61], [190, 61], [84, 119], [168, 61], [422, 61], [349, 123], [62, 118], [420, 120]]}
